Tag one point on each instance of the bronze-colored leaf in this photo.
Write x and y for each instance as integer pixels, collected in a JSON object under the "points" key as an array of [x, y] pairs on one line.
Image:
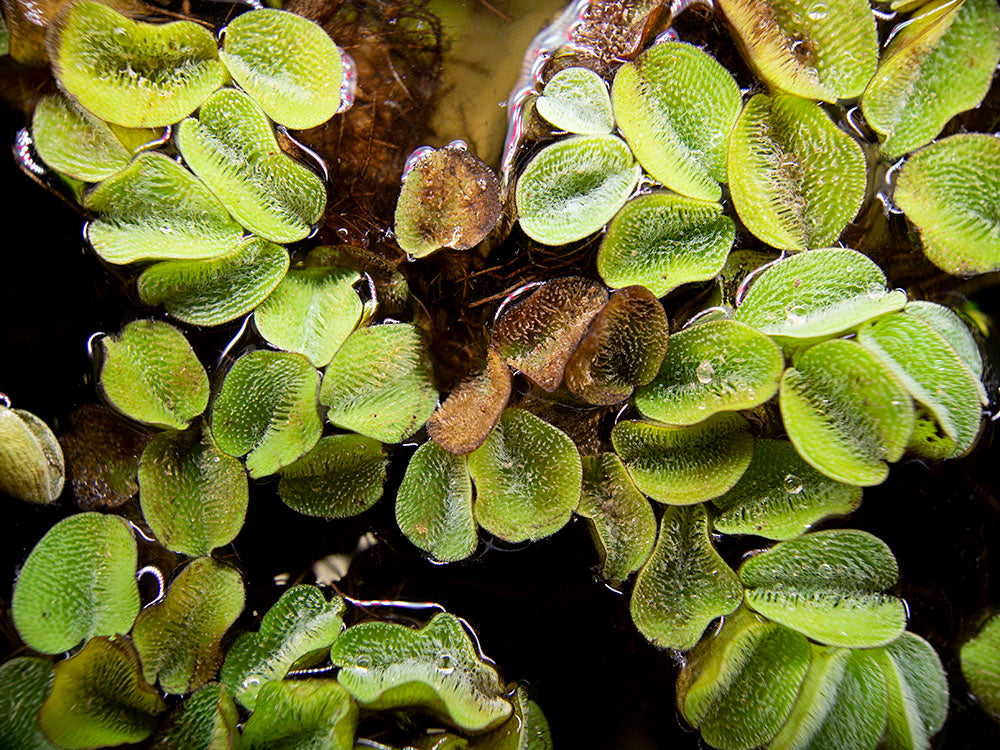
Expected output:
{"points": [[473, 408]]}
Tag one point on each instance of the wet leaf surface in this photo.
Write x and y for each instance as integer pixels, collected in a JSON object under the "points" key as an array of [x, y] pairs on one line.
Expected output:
{"points": [[340, 477], [302, 713]]}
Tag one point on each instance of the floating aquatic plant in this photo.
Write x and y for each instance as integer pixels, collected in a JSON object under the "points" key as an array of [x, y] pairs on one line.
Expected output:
{"points": [[576, 100], [980, 656], [32, 467], [302, 713]]}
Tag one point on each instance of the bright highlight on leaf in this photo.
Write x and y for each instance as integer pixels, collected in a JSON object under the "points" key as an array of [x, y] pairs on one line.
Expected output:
{"points": [[287, 63], [796, 179], [828, 585], [385, 665], [77, 583], [139, 75], [302, 714], [675, 106], [231, 146], [340, 477], [266, 410], [718, 365], [32, 466], [948, 190], [576, 100], [685, 465], [151, 374], [685, 584], [573, 187], [528, 476]]}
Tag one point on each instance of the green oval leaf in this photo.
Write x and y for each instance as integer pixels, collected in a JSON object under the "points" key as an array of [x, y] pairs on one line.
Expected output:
{"points": [[212, 292], [621, 520], [135, 74], [661, 241], [472, 409], [931, 370], [796, 179], [675, 106], [824, 50], [843, 703], [231, 146], [685, 465], [527, 729], [815, 295], [539, 334], [204, 721], [685, 584], [151, 374], [845, 412], [179, 638], [342, 476], [576, 100], [287, 63], [193, 496], [980, 662], [302, 714], [917, 689], [434, 504], [157, 210], [32, 466], [940, 62], [24, 683], [952, 329], [302, 624], [77, 583], [573, 187], [380, 383], [100, 698], [528, 477], [623, 348], [437, 667], [74, 142], [710, 367], [739, 686], [828, 585], [450, 198], [947, 191], [266, 410], [312, 312], [781, 496]]}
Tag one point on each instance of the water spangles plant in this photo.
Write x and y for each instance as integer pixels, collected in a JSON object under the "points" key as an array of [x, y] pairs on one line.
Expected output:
{"points": [[980, 662], [32, 466]]}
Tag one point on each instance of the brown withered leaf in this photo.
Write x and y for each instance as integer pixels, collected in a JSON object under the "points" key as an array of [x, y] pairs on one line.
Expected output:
{"points": [[471, 411]]}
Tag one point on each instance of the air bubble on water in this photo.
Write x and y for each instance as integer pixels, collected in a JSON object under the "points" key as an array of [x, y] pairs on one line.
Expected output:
{"points": [[24, 153], [705, 371], [251, 682], [415, 157], [5, 400], [363, 662], [158, 575], [91, 341], [458, 144], [793, 485], [446, 663], [818, 11], [670, 35], [349, 83], [120, 33], [318, 160], [876, 290], [795, 313]]}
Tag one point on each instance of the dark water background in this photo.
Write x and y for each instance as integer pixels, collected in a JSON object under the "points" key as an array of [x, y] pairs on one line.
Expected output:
{"points": [[540, 612]]}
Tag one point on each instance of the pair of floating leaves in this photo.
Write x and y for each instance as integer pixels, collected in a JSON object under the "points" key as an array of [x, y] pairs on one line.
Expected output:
{"points": [[150, 373], [206, 719], [24, 683], [193, 496], [231, 146], [826, 49], [938, 63], [917, 690], [780, 496], [796, 180], [300, 626], [846, 412], [77, 583], [32, 467], [573, 187], [685, 584], [287, 64], [675, 106], [526, 729], [814, 295], [980, 659], [312, 311], [380, 383], [130, 73], [661, 240], [948, 191], [828, 585], [341, 476], [718, 365], [472, 409], [212, 292], [685, 465], [449, 198], [155, 209], [266, 410], [437, 668], [179, 638], [99, 697], [302, 714], [576, 100]]}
